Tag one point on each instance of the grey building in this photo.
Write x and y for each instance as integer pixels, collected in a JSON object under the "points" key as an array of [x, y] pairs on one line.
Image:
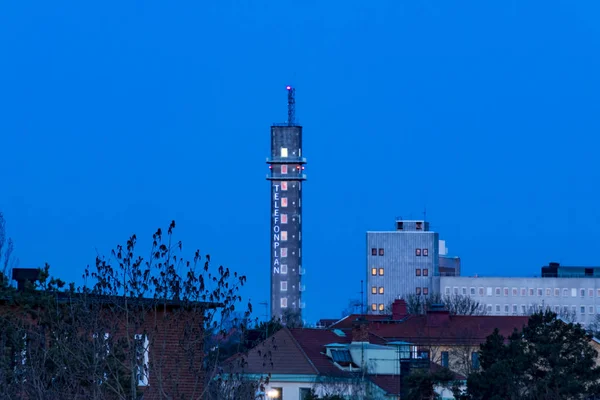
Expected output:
{"points": [[401, 262], [572, 295], [286, 176]]}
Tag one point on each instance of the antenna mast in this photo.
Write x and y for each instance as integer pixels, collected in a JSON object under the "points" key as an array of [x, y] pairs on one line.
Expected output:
{"points": [[291, 106]]}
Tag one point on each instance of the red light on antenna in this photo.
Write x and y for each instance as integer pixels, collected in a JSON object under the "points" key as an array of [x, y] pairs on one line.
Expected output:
{"points": [[270, 167], [298, 167], [302, 167], [288, 87]]}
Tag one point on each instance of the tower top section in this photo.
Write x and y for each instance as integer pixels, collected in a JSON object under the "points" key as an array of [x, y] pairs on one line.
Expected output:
{"points": [[291, 121]]}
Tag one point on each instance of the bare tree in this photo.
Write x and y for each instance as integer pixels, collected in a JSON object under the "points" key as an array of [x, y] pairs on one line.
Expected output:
{"points": [[456, 304], [7, 247], [355, 306]]}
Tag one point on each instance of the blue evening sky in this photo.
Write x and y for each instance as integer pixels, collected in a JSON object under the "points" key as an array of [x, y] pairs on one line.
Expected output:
{"points": [[118, 116]]}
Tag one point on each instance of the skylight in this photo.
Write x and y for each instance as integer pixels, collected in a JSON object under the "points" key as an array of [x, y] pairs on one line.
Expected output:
{"points": [[341, 356], [339, 333]]}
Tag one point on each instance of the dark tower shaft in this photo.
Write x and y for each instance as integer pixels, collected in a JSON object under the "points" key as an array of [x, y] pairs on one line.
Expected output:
{"points": [[286, 175]]}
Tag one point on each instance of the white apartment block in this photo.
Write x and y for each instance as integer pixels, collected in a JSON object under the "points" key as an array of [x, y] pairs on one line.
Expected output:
{"points": [[577, 297]]}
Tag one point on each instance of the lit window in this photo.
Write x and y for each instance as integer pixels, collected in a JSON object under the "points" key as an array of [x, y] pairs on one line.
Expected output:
{"points": [[284, 218], [374, 290], [425, 291], [284, 202], [380, 252], [381, 307], [284, 252], [381, 290], [373, 251], [141, 359], [381, 271], [283, 235], [284, 169], [374, 307], [284, 185], [373, 271], [284, 268], [425, 272], [418, 272], [284, 152], [283, 302], [425, 252], [417, 252], [283, 286], [418, 290]]}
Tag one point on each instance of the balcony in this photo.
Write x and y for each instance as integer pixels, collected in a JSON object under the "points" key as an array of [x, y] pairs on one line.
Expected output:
{"points": [[275, 176], [286, 160]]}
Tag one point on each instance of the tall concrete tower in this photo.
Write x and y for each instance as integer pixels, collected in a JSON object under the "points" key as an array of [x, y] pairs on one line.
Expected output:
{"points": [[286, 175]]}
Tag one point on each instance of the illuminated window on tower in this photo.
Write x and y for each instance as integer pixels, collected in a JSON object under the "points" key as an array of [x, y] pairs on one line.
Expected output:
{"points": [[284, 252], [283, 235], [284, 202], [283, 302], [284, 218], [374, 290], [284, 152], [283, 185], [284, 169]]}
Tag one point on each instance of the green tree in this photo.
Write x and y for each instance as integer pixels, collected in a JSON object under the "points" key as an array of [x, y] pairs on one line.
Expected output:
{"points": [[549, 359], [420, 384]]}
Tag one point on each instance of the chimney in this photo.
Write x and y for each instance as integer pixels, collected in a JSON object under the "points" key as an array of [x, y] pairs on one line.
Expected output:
{"points": [[24, 275], [399, 309], [360, 331]]}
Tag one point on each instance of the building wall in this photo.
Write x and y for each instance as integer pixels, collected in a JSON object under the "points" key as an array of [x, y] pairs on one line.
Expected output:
{"points": [[521, 296], [286, 177], [400, 264]]}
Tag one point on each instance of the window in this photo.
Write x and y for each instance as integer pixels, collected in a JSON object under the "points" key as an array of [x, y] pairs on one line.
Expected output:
{"points": [[489, 308], [283, 286], [373, 251], [447, 290], [419, 226], [425, 272], [380, 252], [284, 152], [591, 292], [548, 292], [523, 309], [381, 290], [475, 360], [374, 290], [418, 291], [597, 292], [497, 308], [506, 308], [283, 302], [284, 169], [284, 185], [341, 356], [381, 307], [540, 292], [523, 292], [284, 202], [489, 291], [279, 391], [445, 359], [506, 291], [417, 252], [498, 291], [284, 268], [304, 393], [472, 291], [582, 292], [418, 272], [464, 291], [591, 309], [425, 252], [481, 291], [284, 252], [455, 290], [283, 236], [573, 292], [531, 292], [374, 307], [515, 291], [515, 309], [556, 292], [381, 271], [425, 291], [582, 309], [556, 309], [373, 271], [565, 292], [141, 358], [284, 218]]}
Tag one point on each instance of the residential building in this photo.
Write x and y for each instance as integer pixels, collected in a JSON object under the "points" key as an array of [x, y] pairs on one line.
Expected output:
{"points": [[286, 176], [403, 262]]}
